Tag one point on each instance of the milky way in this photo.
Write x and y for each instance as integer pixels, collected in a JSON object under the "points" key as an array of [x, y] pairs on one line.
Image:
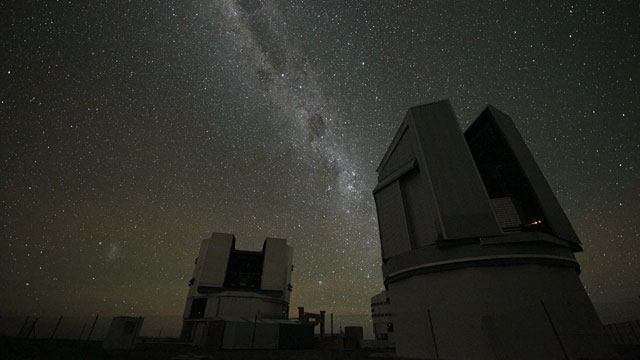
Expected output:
{"points": [[290, 83], [129, 132]]}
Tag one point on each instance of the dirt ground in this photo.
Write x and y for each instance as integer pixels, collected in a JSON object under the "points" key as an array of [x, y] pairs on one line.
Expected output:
{"points": [[18, 349]]}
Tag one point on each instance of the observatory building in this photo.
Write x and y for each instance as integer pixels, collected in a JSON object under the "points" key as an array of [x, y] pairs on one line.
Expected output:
{"points": [[382, 317], [478, 256], [231, 283]]}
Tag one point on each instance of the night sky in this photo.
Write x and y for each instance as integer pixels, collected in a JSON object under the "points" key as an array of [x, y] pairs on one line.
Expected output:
{"points": [[131, 131]]}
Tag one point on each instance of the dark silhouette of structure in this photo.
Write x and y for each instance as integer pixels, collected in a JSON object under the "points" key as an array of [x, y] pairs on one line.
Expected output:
{"points": [[477, 252], [312, 319]]}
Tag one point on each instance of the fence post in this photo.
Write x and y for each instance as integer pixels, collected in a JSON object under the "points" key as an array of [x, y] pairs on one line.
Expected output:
{"points": [[32, 329], [433, 334], [56, 328], [553, 327], [92, 326], [82, 331], [331, 324], [23, 325], [253, 336]]}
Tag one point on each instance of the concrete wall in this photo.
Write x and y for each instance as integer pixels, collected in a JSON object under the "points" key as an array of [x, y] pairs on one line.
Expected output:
{"points": [[122, 333], [250, 304], [496, 312], [239, 303], [252, 333], [237, 335]]}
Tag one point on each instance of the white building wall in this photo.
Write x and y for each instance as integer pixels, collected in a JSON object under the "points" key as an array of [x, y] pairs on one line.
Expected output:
{"points": [[460, 287], [271, 300], [496, 312], [213, 257], [381, 315], [276, 270], [249, 305]]}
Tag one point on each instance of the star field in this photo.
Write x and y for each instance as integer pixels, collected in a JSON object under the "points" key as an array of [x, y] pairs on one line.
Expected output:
{"points": [[130, 132]]}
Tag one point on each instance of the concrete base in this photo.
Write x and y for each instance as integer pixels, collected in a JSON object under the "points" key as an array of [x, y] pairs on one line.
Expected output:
{"points": [[234, 303], [496, 312], [123, 332]]}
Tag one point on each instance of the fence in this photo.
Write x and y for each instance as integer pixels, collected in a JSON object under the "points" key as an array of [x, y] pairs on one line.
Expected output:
{"points": [[82, 327], [96, 327], [624, 333]]}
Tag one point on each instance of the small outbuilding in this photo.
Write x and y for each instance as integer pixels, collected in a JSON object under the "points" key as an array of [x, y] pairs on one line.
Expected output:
{"points": [[123, 332], [228, 333]]}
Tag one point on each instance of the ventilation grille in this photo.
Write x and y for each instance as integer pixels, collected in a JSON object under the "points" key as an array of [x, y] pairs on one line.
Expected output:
{"points": [[506, 214]]}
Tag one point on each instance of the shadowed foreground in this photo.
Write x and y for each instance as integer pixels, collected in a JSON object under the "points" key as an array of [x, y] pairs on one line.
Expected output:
{"points": [[13, 348]]}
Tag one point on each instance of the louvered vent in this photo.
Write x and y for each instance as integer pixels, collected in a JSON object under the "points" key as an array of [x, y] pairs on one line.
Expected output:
{"points": [[506, 213]]}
